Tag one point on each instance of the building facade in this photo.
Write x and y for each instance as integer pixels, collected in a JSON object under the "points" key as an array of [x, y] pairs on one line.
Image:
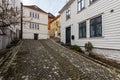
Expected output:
{"points": [[55, 27], [50, 18], [95, 21], [35, 23]]}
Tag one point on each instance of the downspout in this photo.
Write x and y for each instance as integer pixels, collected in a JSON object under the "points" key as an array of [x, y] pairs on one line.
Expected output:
{"points": [[21, 33]]}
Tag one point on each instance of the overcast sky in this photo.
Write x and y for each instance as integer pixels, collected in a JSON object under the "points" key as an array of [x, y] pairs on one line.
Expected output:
{"points": [[52, 6]]}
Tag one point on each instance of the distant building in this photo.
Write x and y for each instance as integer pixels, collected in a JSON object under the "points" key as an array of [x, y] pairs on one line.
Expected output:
{"points": [[95, 21], [50, 18], [55, 27], [35, 23]]}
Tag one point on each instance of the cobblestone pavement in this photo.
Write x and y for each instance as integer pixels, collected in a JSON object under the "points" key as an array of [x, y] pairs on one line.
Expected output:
{"points": [[45, 60]]}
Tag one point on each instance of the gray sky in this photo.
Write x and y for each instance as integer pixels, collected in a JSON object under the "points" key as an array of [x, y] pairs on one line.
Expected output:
{"points": [[52, 6]]}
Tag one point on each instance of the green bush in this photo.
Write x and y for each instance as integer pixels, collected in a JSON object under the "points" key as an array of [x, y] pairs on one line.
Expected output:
{"points": [[76, 48], [88, 46]]}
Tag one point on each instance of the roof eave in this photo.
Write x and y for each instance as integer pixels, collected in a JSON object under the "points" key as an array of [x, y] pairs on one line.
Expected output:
{"points": [[29, 6], [66, 6]]}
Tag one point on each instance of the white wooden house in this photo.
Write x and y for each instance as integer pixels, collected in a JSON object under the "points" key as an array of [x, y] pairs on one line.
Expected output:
{"points": [[35, 23], [95, 21]]}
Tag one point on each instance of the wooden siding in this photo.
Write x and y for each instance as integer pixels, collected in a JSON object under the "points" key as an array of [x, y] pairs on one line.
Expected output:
{"points": [[110, 23]]}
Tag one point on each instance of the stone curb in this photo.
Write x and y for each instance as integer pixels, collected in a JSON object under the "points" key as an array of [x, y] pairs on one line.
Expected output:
{"points": [[91, 59]]}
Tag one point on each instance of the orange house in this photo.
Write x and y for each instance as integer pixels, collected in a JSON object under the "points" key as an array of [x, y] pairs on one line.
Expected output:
{"points": [[50, 18], [55, 27]]}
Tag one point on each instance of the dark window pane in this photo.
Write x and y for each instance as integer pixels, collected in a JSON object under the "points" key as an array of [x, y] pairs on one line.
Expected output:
{"points": [[99, 19], [92, 31], [92, 21], [96, 27], [82, 30], [99, 30]]}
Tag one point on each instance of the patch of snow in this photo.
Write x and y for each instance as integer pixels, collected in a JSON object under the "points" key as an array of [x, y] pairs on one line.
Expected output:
{"points": [[56, 73], [25, 77], [45, 67]]}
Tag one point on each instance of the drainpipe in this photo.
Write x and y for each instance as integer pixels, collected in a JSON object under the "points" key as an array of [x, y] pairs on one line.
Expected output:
{"points": [[21, 33]]}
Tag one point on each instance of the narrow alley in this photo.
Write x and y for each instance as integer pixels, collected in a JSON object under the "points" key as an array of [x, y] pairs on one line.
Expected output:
{"points": [[47, 60]]}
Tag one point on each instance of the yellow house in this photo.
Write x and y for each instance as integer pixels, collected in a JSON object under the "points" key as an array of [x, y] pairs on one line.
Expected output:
{"points": [[55, 27]]}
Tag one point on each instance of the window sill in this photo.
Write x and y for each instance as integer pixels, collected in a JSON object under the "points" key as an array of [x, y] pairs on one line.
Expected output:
{"points": [[93, 3], [82, 38], [68, 19], [80, 10], [96, 37]]}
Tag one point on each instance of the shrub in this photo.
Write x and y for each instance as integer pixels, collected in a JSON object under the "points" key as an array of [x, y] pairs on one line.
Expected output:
{"points": [[15, 41], [76, 48], [88, 47]]}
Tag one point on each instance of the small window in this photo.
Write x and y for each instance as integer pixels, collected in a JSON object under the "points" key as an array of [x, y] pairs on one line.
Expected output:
{"points": [[81, 5], [82, 30], [38, 16], [30, 25], [68, 14], [35, 26], [38, 26], [30, 14], [96, 27], [33, 15]]}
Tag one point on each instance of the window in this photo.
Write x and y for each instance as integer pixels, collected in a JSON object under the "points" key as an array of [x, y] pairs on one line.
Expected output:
{"points": [[30, 14], [68, 14], [91, 1], [38, 16], [81, 5], [96, 27], [30, 25], [34, 15], [82, 30], [34, 26], [37, 26]]}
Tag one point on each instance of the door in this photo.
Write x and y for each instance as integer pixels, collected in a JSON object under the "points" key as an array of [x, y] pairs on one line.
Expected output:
{"points": [[35, 36], [68, 35]]}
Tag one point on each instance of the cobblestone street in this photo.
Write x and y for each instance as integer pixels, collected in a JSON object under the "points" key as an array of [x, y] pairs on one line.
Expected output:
{"points": [[46, 60]]}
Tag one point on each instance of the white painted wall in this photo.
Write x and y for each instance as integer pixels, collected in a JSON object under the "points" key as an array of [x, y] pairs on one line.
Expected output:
{"points": [[42, 21], [110, 23]]}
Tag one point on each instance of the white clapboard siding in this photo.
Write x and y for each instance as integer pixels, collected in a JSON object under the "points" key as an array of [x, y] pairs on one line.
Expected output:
{"points": [[110, 23]]}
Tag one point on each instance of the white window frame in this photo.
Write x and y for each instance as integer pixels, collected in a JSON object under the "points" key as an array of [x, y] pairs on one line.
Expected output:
{"points": [[81, 5]]}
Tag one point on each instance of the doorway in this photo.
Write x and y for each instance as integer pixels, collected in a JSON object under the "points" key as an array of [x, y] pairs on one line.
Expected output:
{"points": [[68, 35], [35, 36]]}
